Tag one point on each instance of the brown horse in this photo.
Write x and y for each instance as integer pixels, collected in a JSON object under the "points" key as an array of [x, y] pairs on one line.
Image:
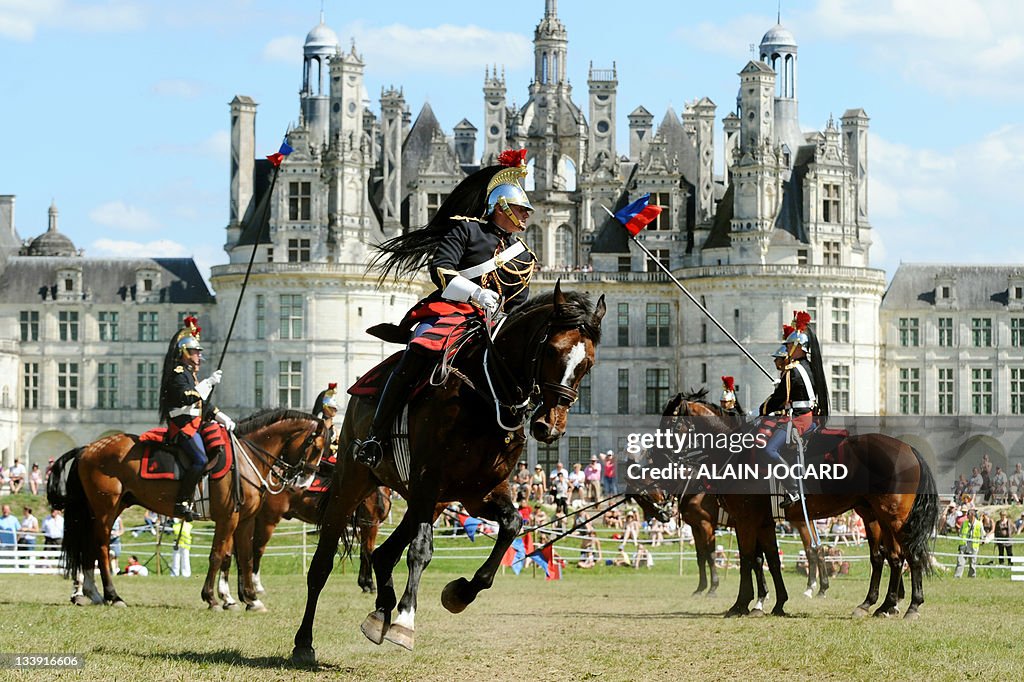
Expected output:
{"points": [[895, 494], [465, 437], [95, 483], [703, 511], [302, 503]]}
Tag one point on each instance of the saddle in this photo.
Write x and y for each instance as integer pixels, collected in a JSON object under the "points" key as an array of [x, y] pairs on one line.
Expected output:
{"points": [[163, 461], [322, 480], [371, 384]]}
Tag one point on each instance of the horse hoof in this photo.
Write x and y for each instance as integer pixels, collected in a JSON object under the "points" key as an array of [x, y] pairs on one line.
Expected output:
{"points": [[756, 613], [374, 627], [367, 590], [712, 594], [912, 615], [400, 635], [780, 612], [860, 612], [81, 600], [119, 603], [457, 595], [233, 606], [304, 657], [809, 593], [256, 606], [736, 613], [698, 593]]}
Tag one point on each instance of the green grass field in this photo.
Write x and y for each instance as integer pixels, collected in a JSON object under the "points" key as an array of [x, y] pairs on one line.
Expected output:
{"points": [[608, 623]]}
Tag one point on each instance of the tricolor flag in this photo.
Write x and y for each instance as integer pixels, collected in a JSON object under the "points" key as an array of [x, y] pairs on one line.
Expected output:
{"points": [[470, 523], [637, 215], [277, 157]]}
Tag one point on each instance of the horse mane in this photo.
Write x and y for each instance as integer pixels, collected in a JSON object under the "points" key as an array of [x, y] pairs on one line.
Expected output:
{"points": [[268, 416], [574, 311], [696, 395]]}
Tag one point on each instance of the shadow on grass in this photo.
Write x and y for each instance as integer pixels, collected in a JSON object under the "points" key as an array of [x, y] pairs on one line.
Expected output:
{"points": [[229, 657]]}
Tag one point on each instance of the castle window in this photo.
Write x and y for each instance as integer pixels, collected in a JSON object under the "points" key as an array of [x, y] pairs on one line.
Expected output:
{"points": [[434, 201], [910, 390], [830, 203], [298, 250], [945, 390], [664, 219], [831, 254], [299, 200]]}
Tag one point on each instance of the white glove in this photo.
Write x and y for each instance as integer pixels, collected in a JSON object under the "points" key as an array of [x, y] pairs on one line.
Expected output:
{"points": [[206, 385], [486, 299], [225, 421]]}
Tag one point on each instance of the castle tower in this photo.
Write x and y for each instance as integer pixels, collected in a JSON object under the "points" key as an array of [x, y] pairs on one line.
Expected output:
{"points": [[243, 155], [550, 45], [704, 122], [778, 50], [603, 84], [855, 141], [465, 142], [494, 116], [641, 128], [392, 106], [321, 44]]}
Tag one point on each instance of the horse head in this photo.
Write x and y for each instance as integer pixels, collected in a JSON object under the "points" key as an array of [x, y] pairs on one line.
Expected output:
{"points": [[295, 441], [565, 355]]}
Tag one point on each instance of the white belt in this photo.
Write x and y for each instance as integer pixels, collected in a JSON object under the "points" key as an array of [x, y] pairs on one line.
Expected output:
{"points": [[190, 410], [494, 263], [802, 404]]}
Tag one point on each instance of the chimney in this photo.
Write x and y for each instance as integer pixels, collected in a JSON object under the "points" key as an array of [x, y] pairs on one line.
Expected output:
{"points": [[7, 215]]}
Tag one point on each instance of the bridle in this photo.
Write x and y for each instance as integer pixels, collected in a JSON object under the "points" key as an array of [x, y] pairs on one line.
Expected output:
{"points": [[505, 390], [286, 473]]}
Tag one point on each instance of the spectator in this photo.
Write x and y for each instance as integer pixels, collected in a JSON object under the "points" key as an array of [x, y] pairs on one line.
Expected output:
{"points": [[840, 530], [686, 534], [970, 540], [657, 532], [613, 519], [988, 526], [801, 563], [133, 567], [35, 479], [116, 531], [631, 529], [540, 517], [553, 476], [16, 476], [4, 481], [521, 480], [590, 547], [721, 559], [951, 517], [1000, 483], [1019, 524], [49, 467], [577, 481], [538, 484], [29, 531], [609, 485], [592, 476], [9, 527], [622, 559], [1004, 529], [1016, 484], [835, 562], [643, 556], [974, 483], [53, 529], [561, 487], [181, 562], [151, 521], [960, 486]]}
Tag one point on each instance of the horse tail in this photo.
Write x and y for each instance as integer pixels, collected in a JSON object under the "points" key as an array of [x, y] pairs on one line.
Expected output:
{"points": [[920, 523], [64, 491]]}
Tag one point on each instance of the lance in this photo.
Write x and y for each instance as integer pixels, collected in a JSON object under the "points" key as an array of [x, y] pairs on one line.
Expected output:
{"points": [[275, 159], [682, 288]]}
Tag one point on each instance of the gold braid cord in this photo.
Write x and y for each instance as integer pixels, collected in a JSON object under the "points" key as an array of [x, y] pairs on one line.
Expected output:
{"points": [[511, 277]]}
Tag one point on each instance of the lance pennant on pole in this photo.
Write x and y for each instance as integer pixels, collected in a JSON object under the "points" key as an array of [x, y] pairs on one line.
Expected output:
{"points": [[638, 215], [277, 157]]}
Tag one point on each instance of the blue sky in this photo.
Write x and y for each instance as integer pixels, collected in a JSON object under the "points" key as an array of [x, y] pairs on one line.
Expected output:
{"points": [[117, 109]]}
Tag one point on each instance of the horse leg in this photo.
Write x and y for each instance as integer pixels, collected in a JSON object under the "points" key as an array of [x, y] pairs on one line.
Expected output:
{"points": [[367, 541], [771, 557], [421, 549], [709, 557], [460, 593], [243, 561], [224, 586], [916, 589], [333, 525], [220, 551], [701, 547], [264, 530], [888, 607], [87, 589], [385, 557], [877, 558], [762, 586], [746, 540]]}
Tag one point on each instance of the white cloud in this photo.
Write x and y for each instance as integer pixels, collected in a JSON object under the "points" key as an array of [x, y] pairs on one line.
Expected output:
{"points": [[731, 38], [403, 49], [953, 47], [161, 248], [21, 19], [955, 206], [122, 216], [178, 88]]}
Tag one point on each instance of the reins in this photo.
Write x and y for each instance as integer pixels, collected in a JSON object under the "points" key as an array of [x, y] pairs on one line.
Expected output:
{"points": [[287, 474]]}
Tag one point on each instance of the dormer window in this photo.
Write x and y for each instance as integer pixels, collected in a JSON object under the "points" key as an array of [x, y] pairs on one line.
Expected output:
{"points": [[945, 292], [147, 284], [69, 285]]}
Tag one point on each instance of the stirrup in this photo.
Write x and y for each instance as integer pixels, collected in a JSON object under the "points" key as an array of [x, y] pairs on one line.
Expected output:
{"points": [[183, 510], [370, 452], [789, 498]]}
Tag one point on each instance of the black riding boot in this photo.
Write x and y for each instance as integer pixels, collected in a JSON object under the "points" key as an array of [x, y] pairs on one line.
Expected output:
{"points": [[792, 494], [396, 391], [186, 489]]}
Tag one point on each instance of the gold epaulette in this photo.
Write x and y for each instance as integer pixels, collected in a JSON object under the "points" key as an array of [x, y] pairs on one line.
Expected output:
{"points": [[178, 369], [468, 219]]}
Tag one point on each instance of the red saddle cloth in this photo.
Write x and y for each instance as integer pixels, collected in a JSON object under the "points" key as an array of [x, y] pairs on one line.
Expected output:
{"points": [[321, 481], [162, 462], [372, 383]]}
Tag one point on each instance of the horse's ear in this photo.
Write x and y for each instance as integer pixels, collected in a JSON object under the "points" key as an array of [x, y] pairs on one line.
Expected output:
{"points": [[559, 297], [600, 310]]}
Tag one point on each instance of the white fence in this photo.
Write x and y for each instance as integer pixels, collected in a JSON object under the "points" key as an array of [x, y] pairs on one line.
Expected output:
{"points": [[29, 561]]}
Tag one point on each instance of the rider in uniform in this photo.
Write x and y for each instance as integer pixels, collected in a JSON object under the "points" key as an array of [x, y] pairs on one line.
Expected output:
{"points": [[479, 266], [326, 408], [184, 406], [728, 400], [800, 395]]}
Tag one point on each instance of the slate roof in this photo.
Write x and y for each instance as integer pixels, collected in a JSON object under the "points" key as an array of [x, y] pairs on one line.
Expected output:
{"points": [[977, 287], [33, 279]]}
